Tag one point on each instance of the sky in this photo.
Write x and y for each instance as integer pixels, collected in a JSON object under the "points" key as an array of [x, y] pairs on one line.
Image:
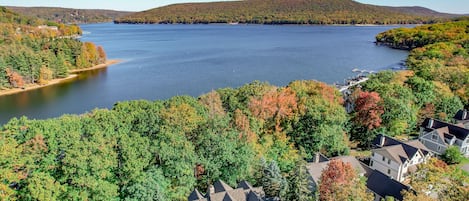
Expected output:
{"points": [[448, 6]]}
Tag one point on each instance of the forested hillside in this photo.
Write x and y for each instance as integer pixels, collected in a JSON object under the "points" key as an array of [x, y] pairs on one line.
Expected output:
{"points": [[283, 12], [436, 84], [69, 15], [35, 51]]}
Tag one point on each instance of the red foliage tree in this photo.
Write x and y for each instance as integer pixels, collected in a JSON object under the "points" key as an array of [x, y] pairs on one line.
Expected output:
{"points": [[339, 181], [275, 104], [368, 107]]}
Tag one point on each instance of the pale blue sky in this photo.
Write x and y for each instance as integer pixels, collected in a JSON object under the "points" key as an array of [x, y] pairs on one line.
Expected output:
{"points": [[450, 6]]}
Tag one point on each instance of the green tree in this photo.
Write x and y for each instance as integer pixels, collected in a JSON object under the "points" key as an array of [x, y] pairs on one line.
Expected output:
{"points": [[273, 183], [299, 183], [152, 186], [223, 153], [452, 155]]}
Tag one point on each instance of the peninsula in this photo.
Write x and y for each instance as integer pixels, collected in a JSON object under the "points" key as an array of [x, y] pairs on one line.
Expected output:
{"points": [[38, 53]]}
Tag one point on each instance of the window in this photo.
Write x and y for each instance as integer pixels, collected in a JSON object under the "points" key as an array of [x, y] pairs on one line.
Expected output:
{"points": [[389, 171], [434, 137], [389, 161], [371, 163], [439, 148], [372, 154], [384, 158]]}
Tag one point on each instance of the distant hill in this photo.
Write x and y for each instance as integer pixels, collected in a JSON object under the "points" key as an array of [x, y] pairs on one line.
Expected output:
{"points": [[69, 15], [422, 11], [284, 12]]}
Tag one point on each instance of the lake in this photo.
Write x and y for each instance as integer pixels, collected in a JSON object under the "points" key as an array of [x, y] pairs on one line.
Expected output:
{"points": [[161, 61]]}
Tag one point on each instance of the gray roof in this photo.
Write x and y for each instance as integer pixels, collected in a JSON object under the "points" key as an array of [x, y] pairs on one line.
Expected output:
{"points": [[462, 115], [221, 186], [458, 131], [315, 169], [223, 192], [244, 185], [396, 150], [384, 186]]}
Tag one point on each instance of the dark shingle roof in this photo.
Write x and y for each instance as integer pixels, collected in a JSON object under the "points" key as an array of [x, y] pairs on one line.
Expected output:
{"points": [[384, 186], [397, 150], [244, 185], [195, 195], [223, 192], [462, 115], [221, 186], [458, 131]]}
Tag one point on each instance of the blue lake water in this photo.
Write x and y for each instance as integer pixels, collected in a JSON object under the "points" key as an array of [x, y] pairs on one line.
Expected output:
{"points": [[161, 61]]}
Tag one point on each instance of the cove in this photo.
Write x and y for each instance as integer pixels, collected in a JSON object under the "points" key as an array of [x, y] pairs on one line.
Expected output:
{"points": [[161, 61]]}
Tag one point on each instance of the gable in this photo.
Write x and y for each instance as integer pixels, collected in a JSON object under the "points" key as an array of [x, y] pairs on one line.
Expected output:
{"points": [[430, 136]]}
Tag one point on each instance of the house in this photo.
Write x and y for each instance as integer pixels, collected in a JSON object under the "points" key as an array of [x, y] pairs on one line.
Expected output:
{"points": [[462, 117], [437, 136], [395, 158], [220, 191], [383, 186], [315, 168]]}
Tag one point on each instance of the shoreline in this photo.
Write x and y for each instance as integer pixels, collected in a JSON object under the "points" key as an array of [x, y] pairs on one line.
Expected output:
{"points": [[73, 75]]}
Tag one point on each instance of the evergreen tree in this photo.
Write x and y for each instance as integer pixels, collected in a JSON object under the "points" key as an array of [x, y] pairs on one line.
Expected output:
{"points": [[300, 183], [273, 183]]}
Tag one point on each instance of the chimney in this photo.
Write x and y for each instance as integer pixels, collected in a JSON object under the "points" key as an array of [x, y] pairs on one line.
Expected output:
{"points": [[464, 114], [430, 123], [381, 140], [210, 190], [316, 157]]}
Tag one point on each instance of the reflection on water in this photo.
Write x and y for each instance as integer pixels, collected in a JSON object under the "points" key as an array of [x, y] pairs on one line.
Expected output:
{"points": [[28, 102], [161, 61]]}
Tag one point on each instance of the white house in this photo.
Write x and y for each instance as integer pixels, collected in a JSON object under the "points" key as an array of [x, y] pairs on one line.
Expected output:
{"points": [[395, 158]]}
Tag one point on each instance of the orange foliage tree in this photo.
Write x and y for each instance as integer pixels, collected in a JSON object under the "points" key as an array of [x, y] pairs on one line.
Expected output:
{"points": [[101, 55], [275, 105], [339, 181], [15, 79]]}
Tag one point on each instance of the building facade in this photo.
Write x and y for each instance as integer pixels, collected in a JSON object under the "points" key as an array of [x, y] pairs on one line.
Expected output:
{"points": [[395, 158], [437, 136]]}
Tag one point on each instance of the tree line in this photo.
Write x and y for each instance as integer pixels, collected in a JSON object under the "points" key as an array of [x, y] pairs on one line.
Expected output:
{"points": [[280, 12], [68, 15], [35, 51]]}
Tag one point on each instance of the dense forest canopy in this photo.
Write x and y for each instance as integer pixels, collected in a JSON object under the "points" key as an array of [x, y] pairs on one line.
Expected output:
{"points": [[35, 51], [69, 15], [166, 148], [284, 12]]}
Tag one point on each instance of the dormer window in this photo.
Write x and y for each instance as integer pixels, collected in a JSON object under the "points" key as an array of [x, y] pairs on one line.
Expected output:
{"points": [[434, 137], [389, 161], [384, 158]]}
